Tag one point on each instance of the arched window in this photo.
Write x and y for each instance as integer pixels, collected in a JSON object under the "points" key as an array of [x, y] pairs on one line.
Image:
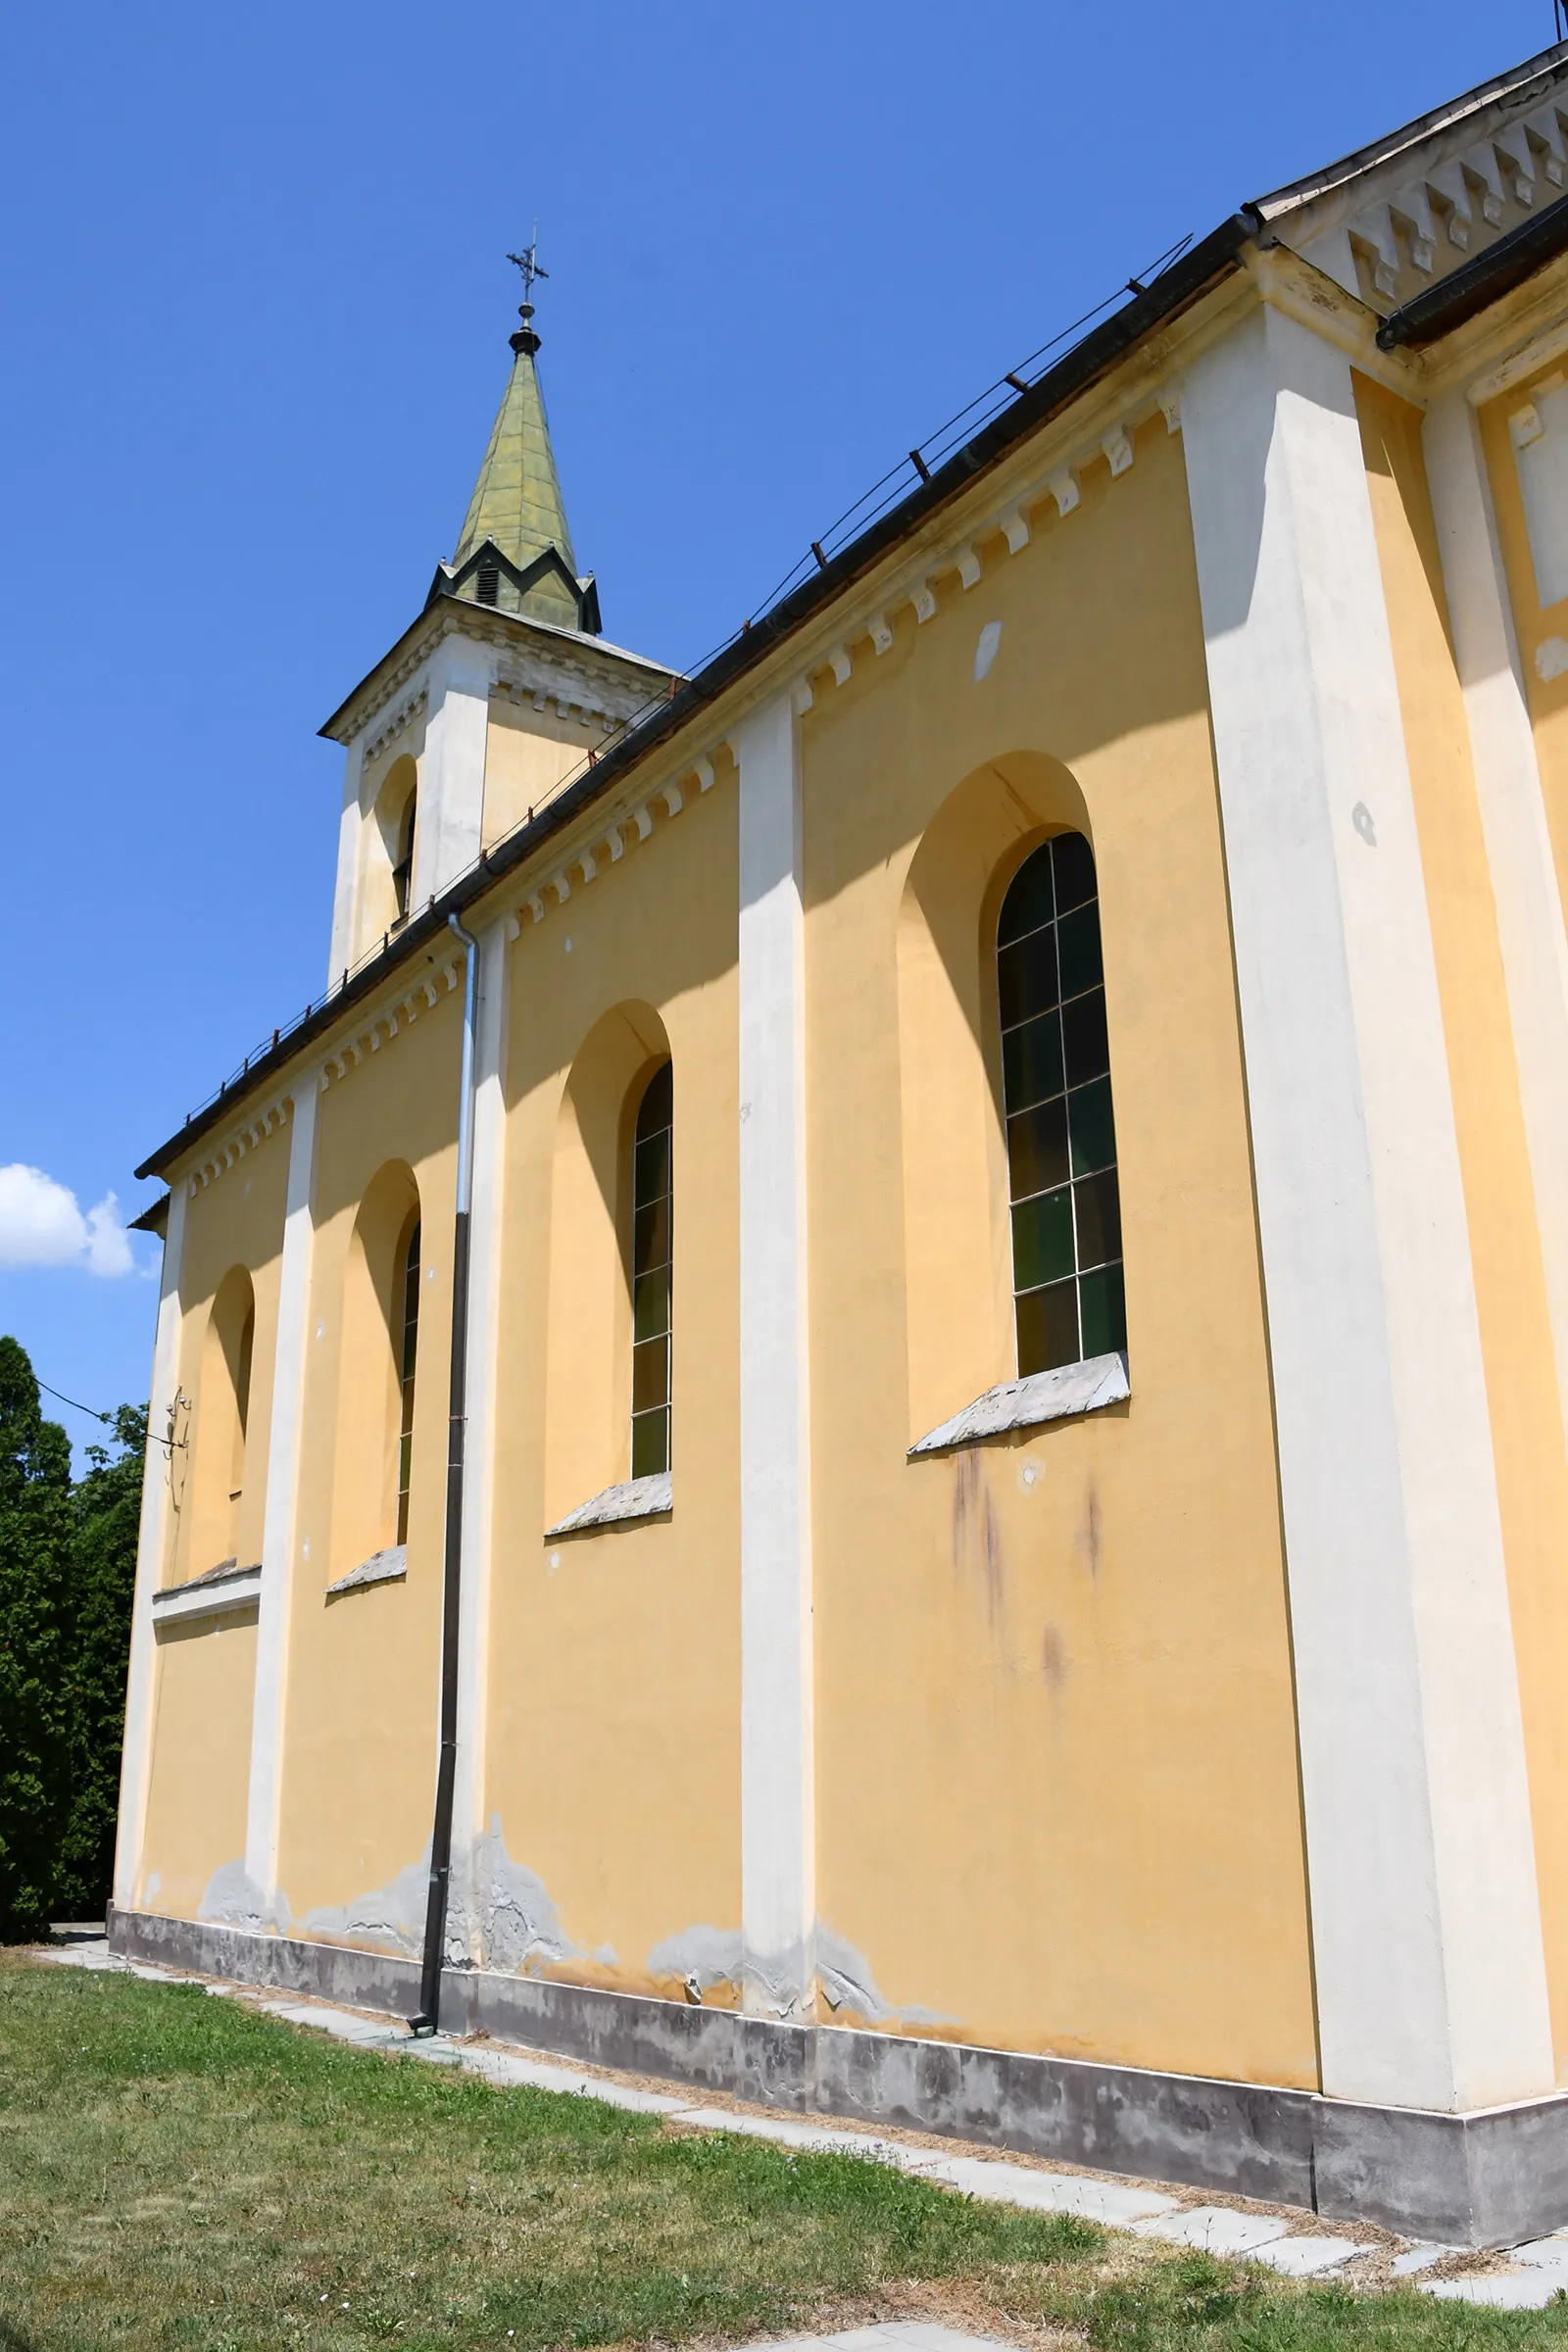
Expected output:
{"points": [[222, 1426], [408, 1324], [1068, 1300], [651, 1260], [403, 872]]}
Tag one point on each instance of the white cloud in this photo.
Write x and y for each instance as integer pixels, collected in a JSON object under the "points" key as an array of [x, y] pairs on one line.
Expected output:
{"points": [[42, 1225]]}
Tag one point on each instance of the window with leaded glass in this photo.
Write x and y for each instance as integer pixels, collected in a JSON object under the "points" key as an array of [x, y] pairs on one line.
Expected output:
{"points": [[409, 1293], [651, 1260], [1069, 1299]]}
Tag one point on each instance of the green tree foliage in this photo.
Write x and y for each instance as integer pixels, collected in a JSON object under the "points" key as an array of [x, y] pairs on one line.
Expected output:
{"points": [[35, 1628], [107, 1517], [67, 1566]]}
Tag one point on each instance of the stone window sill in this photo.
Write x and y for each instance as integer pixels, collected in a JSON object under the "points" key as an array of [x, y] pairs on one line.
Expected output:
{"points": [[619, 1507], [213, 1594], [1064, 1393], [381, 1568]]}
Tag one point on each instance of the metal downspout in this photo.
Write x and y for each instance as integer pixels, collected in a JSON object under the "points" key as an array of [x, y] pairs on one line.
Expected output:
{"points": [[428, 2017]]}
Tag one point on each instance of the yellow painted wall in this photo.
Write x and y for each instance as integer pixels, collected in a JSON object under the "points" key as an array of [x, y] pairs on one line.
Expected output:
{"points": [[1056, 1760], [234, 1222], [363, 1668], [197, 1795], [1504, 1241], [615, 1684], [1534, 625], [527, 755], [204, 1672]]}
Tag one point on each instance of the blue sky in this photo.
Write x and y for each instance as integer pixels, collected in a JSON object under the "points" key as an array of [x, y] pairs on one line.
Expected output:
{"points": [[256, 311]]}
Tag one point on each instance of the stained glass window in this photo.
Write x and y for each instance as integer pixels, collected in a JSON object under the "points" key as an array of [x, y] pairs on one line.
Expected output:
{"points": [[1068, 1297], [408, 1354], [651, 1278]]}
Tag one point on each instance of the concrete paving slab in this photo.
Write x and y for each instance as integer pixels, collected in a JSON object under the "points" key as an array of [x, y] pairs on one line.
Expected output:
{"points": [[1542, 2254], [1515, 2291], [1419, 2258], [899, 2336], [1112, 2202], [1307, 2257], [818, 2139], [341, 2024], [1216, 2229], [510, 2071]]}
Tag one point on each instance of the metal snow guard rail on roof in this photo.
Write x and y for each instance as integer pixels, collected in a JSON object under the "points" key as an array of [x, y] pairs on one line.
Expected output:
{"points": [[1176, 287]]}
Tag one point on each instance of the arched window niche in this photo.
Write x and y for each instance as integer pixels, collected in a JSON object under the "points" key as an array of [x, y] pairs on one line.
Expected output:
{"points": [[962, 1323], [220, 1428], [375, 1484], [387, 882], [609, 1381]]}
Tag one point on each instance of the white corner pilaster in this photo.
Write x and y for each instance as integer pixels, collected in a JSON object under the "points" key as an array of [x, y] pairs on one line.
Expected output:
{"points": [[1426, 1925], [449, 832], [136, 1768], [466, 1911], [346, 891], [263, 1813], [778, 1870], [1513, 821]]}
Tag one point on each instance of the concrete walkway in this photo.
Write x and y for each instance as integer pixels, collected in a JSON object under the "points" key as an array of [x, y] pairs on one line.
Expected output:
{"points": [[1524, 2279]]}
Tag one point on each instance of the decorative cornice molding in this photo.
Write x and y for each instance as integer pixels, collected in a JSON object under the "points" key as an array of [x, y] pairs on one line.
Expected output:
{"points": [[411, 708], [608, 836], [377, 1029], [246, 1137], [1103, 441]]}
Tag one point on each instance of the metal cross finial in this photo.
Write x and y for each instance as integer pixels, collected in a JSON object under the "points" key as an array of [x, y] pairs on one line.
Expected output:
{"points": [[527, 264]]}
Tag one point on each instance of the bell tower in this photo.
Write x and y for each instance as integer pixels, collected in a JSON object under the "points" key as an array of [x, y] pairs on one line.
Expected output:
{"points": [[493, 698]]}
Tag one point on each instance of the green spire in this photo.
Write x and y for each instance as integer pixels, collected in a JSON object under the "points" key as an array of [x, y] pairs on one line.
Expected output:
{"points": [[516, 500]]}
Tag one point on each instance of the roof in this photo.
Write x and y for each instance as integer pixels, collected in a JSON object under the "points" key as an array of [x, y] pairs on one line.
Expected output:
{"points": [[516, 500]]}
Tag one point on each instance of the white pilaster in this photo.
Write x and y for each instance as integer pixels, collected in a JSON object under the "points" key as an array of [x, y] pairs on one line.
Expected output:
{"points": [[464, 1920], [1425, 1925], [278, 1541], [346, 891], [1513, 819], [779, 1890], [136, 1769], [447, 834]]}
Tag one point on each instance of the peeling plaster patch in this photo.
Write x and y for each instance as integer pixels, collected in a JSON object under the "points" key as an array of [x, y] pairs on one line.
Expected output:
{"points": [[1361, 819], [711, 1955], [389, 1919], [155, 1884], [849, 1982], [985, 653], [518, 1931], [232, 1899], [1029, 1476], [1552, 659]]}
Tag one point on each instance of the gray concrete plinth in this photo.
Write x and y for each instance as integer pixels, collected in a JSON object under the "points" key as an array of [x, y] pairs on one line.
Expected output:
{"points": [[1492, 2179]]}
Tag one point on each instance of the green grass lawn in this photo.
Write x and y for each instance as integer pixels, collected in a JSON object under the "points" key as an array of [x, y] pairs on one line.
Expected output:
{"points": [[177, 2170]]}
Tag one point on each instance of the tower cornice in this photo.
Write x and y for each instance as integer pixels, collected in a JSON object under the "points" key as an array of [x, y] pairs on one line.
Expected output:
{"points": [[623, 675]]}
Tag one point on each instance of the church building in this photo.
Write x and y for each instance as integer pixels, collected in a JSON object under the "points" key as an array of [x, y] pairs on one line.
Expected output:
{"points": [[874, 1412]]}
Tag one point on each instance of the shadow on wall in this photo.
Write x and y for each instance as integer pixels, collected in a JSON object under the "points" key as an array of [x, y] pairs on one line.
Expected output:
{"points": [[371, 1371], [588, 1389], [211, 1505], [958, 1250]]}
